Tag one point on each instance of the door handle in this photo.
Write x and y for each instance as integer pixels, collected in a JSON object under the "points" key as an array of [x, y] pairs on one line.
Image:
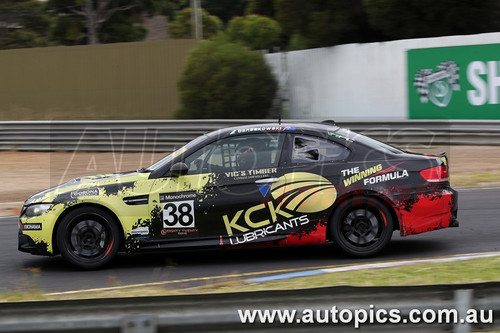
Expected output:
{"points": [[267, 181]]}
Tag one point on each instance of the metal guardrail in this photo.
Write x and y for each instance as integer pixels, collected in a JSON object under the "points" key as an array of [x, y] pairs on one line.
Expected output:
{"points": [[166, 135], [219, 312]]}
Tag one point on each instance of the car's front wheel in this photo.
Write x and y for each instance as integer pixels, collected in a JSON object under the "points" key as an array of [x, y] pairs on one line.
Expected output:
{"points": [[88, 237], [361, 227]]}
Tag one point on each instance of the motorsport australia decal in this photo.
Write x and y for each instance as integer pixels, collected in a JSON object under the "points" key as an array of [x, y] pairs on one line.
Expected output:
{"points": [[291, 198]]}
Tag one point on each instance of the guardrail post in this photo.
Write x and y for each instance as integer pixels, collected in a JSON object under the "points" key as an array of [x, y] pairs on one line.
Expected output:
{"points": [[139, 324], [463, 302]]}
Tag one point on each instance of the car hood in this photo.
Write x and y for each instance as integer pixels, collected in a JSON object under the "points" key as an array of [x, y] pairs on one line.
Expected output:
{"points": [[88, 186]]}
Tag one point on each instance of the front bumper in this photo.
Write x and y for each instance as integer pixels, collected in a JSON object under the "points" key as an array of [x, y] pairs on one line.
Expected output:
{"points": [[36, 233], [27, 244]]}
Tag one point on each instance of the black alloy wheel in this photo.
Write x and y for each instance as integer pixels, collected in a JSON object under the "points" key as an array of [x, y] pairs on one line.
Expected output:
{"points": [[88, 237], [361, 227]]}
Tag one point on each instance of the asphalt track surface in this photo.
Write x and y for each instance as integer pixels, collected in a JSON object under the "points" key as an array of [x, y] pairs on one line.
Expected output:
{"points": [[479, 231]]}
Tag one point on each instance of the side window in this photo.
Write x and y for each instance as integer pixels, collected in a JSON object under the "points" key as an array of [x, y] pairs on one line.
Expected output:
{"points": [[310, 150], [254, 151]]}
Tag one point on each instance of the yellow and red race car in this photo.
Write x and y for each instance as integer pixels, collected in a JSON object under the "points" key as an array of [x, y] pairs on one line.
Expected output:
{"points": [[261, 184]]}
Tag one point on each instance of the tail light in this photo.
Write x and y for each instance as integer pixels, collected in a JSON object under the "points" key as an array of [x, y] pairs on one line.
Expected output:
{"points": [[438, 174]]}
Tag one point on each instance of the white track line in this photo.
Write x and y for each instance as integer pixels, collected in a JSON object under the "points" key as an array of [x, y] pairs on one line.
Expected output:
{"points": [[389, 264]]}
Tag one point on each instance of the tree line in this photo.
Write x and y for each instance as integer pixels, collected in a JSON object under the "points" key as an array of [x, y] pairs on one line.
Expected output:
{"points": [[259, 24], [223, 77]]}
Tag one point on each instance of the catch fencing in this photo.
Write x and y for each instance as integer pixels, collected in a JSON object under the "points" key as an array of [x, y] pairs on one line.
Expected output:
{"points": [[167, 135]]}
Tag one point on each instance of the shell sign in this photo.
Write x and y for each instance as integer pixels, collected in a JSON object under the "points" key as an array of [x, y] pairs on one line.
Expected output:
{"points": [[457, 82]]}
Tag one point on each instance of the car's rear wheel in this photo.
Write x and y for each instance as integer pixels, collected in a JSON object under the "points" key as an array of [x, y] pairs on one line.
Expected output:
{"points": [[88, 237], [361, 227]]}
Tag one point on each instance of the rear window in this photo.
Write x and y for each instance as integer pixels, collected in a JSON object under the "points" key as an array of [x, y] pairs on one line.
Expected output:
{"points": [[307, 149], [370, 142]]}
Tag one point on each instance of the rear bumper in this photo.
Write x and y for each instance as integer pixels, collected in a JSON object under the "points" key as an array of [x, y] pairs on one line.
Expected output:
{"points": [[454, 212], [430, 211]]}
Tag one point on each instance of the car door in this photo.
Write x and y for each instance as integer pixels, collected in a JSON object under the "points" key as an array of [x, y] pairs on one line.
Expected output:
{"points": [[223, 199]]}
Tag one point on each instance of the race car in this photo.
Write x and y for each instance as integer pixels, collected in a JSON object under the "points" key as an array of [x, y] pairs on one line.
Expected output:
{"points": [[257, 185]]}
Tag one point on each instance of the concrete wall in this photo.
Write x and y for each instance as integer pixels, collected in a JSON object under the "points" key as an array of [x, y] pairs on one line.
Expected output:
{"points": [[139, 80], [356, 81]]}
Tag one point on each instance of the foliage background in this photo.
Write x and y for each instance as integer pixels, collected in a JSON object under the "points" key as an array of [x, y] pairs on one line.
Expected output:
{"points": [[267, 25], [224, 80], [302, 24]]}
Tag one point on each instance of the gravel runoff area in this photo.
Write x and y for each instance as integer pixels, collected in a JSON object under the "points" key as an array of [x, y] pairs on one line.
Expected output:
{"points": [[26, 173]]}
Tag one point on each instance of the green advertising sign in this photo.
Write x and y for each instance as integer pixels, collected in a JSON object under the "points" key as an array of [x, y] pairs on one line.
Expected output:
{"points": [[458, 82]]}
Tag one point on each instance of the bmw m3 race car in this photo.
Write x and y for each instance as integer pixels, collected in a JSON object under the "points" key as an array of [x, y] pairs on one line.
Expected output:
{"points": [[266, 184]]}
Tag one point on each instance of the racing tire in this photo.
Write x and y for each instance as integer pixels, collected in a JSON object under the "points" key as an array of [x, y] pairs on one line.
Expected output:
{"points": [[361, 227], [88, 237]]}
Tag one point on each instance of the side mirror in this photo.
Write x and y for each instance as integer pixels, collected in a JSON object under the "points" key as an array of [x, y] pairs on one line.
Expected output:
{"points": [[179, 169]]}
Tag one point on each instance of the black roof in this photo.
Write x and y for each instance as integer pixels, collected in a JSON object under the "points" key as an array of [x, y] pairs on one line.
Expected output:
{"points": [[303, 127]]}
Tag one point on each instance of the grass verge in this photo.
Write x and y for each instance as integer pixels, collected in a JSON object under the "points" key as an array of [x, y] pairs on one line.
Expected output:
{"points": [[476, 179], [478, 270]]}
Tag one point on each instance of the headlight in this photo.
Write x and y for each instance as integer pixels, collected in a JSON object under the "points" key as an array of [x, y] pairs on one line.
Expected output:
{"points": [[36, 210]]}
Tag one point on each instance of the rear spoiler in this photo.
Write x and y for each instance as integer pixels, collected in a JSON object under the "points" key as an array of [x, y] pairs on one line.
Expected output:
{"points": [[443, 157]]}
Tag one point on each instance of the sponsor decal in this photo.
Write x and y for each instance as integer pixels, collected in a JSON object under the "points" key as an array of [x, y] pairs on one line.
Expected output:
{"points": [[31, 226], [373, 175], [180, 232], [89, 192], [264, 189], [385, 177], [338, 136], [299, 192], [454, 82], [358, 175], [249, 174], [263, 129], [243, 218], [269, 230], [178, 196], [142, 231], [304, 192], [257, 172], [437, 86]]}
